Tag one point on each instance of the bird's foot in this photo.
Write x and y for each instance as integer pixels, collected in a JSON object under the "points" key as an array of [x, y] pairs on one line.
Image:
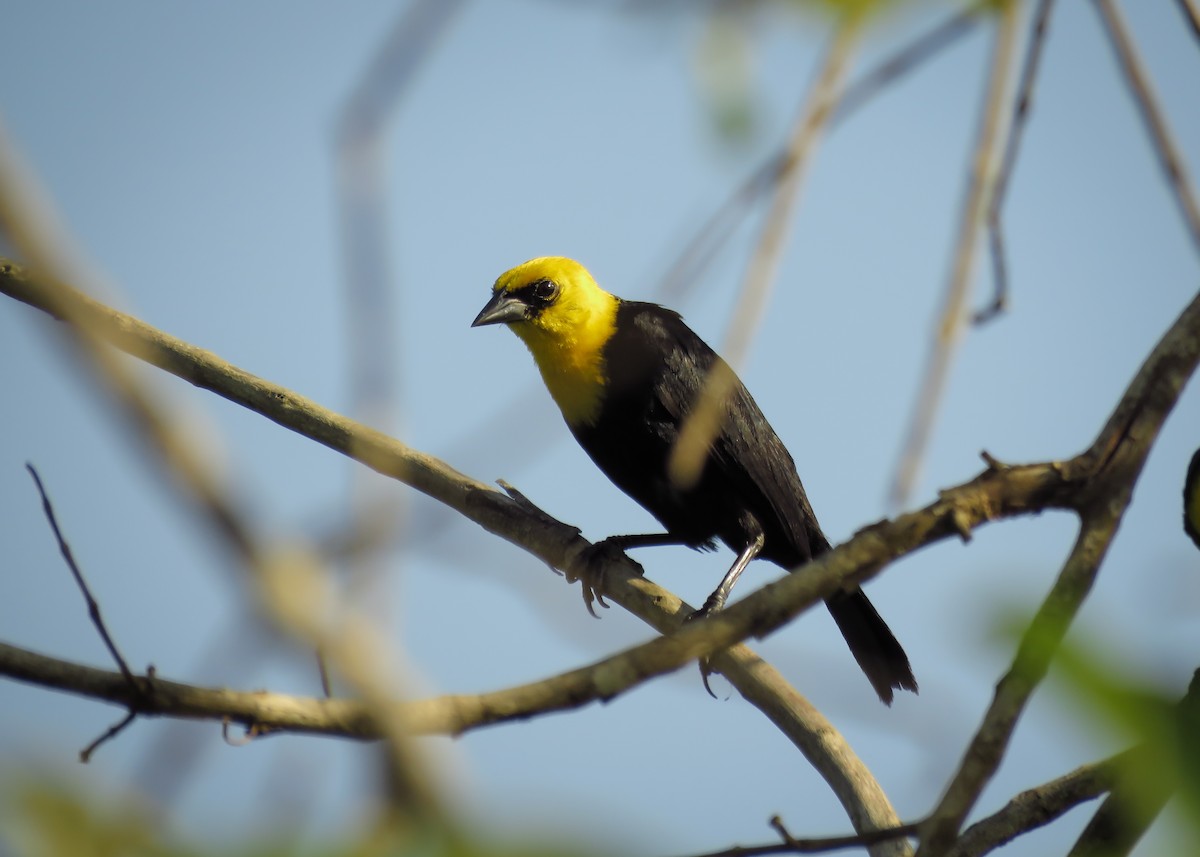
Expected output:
{"points": [[591, 567], [712, 606]]}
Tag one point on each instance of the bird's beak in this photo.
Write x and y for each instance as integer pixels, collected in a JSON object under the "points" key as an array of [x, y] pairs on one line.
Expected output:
{"points": [[503, 308]]}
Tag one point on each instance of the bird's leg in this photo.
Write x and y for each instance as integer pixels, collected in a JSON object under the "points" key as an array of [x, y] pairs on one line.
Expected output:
{"points": [[716, 601]]}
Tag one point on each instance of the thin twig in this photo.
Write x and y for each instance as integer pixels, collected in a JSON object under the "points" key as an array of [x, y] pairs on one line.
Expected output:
{"points": [[814, 845], [93, 606], [714, 232], [952, 322], [323, 673], [85, 755], [1152, 115], [1033, 56]]}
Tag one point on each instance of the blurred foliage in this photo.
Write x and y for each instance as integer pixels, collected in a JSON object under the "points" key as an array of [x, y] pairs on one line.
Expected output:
{"points": [[734, 29], [41, 819], [1161, 726]]}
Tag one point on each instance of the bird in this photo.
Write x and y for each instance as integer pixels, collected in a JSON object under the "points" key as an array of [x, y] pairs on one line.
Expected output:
{"points": [[626, 375]]}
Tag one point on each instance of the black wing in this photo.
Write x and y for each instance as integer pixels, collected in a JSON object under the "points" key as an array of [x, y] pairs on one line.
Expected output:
{"points": [[656, 367]]}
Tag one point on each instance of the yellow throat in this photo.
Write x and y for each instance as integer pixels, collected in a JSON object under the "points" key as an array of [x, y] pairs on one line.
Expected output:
{"points": [[567, 337]]}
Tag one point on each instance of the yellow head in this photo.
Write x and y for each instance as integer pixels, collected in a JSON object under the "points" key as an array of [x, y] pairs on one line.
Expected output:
{"points": [[565, 319]]}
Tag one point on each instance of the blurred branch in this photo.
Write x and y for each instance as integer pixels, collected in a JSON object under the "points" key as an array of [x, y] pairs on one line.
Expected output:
{"points": [[291, 587], [703, 423], [1029, 70], [1156, 121], [909, 57], [712, 234], [1191, 14], [1135, 801], [367, 244], [362, 194], [953, 320]]}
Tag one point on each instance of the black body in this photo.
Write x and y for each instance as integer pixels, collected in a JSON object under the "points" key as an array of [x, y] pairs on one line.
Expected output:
{"points": [[655, 367]]}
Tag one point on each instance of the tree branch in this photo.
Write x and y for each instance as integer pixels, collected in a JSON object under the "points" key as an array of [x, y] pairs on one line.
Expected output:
{"points": [[1112, 465], [555, 543], [1084, 483], [1038, 806], [1169, 156], [1012, 145]]}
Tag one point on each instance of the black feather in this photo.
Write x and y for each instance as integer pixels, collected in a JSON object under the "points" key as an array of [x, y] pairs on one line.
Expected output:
{"points": [[655, 367]]}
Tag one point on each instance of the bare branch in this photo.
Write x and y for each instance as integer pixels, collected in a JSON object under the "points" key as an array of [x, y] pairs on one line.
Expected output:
{"points": [[278, 712], [1038, 806], [491, 509], [1111, 464], [952, 322], [1165, 147], [1037, 647]]}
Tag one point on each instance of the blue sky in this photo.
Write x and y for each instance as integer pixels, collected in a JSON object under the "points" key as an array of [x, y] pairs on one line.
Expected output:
{"points": [[189, 149]]}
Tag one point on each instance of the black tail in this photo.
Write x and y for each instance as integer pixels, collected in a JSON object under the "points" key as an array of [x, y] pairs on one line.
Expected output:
{"points": [[872, 644]]}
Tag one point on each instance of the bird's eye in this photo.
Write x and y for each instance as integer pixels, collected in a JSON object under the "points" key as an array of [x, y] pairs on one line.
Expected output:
{"points": [[543, 292]]}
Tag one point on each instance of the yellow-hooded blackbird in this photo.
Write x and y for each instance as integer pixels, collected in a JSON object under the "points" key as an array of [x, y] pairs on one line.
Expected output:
{"points": [[625, 375]]}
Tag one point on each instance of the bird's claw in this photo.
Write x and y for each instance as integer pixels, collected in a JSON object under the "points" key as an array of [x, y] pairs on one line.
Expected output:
{"points": [[590, 567], [711, 606]]}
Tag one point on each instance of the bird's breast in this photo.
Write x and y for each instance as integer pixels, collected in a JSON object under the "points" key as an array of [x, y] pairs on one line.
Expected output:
{"points": [[577, 387]]}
